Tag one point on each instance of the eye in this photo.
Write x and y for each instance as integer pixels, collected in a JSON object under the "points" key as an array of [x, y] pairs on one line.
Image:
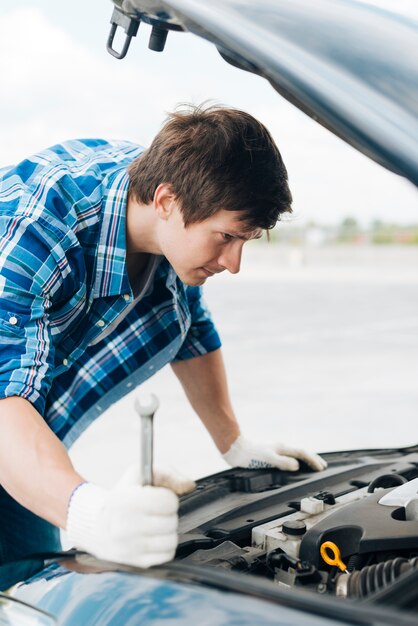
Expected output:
{"points": [[226, 237]]}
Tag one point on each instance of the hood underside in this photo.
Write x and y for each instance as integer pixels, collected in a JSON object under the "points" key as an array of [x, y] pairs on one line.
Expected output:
{"points": [[349, 65]]}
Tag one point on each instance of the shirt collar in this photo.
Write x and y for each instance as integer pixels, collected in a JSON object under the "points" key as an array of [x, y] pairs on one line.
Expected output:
{"points": [[111, 274]]}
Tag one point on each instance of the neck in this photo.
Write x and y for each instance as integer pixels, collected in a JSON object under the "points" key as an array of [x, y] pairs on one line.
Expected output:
{"points": [[140, 229]]}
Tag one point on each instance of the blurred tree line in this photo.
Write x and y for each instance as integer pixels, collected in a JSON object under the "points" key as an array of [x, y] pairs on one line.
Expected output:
{"points": [[348, 231]]}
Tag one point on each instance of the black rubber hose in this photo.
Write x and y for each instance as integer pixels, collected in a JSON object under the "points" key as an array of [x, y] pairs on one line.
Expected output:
{"points": [[372, 578], [385, 481]]}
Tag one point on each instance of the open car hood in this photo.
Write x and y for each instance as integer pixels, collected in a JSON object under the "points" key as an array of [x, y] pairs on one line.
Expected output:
{"points": [[349, 65]]}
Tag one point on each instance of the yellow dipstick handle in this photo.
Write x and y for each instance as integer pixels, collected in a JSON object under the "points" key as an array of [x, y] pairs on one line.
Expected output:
{"points": [[335, 558]]}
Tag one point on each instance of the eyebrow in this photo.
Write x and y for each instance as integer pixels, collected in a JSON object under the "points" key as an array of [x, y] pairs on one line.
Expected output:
{"points": [[245, 238]]}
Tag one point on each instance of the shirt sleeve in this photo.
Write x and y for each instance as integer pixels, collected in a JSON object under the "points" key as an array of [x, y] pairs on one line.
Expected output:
{"points": [[28, 273], [202, 336]]}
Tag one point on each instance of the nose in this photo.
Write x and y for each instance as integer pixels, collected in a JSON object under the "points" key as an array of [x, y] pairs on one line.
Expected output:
{"points": [[230, 258]]}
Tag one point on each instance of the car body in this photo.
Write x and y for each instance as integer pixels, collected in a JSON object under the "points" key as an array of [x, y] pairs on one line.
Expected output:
{"points": [[251, 541]]}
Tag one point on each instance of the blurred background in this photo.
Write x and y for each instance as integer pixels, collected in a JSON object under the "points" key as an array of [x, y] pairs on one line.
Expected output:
{"points": [[320, 327]]}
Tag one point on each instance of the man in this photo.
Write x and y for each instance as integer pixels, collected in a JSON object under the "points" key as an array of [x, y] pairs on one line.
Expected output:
{"points": [[104, 247]]}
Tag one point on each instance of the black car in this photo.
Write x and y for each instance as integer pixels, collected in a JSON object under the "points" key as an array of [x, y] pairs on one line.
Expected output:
{"points": [[266, 546]]}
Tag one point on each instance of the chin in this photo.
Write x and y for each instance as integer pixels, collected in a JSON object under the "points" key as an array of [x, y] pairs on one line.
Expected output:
{"points": [[193, 282], [191, 279]]}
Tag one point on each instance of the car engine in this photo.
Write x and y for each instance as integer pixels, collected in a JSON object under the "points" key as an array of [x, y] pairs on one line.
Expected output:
{"points": [[380, 541], [353, 539]]}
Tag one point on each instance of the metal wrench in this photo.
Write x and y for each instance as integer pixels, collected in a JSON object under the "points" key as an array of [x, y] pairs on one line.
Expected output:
{"points": [[146, 412]]}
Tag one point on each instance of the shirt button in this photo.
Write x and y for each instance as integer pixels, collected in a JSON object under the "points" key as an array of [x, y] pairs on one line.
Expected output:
{"points": [[126, 297], [100, 323], [65, 361], [13, 320]]}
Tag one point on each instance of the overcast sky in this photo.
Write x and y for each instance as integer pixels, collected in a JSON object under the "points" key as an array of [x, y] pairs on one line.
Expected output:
{"points": [[58, 82]]}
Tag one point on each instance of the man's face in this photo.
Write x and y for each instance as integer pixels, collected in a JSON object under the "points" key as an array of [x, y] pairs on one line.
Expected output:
{"points": [[206, 248]]}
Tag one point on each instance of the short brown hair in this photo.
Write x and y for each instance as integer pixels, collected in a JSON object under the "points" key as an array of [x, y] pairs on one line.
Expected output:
{"points": [[215, 158]]}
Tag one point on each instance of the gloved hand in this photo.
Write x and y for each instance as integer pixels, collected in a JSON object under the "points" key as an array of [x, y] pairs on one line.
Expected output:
{"points": [[129, 523], [245, 453]]}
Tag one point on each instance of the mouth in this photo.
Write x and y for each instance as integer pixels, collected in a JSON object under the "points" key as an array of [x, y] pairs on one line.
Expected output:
{"points": [[207, 272]]}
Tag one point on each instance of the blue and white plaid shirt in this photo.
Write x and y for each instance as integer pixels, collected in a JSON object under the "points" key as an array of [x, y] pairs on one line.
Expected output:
{"points": [[63, 281]]}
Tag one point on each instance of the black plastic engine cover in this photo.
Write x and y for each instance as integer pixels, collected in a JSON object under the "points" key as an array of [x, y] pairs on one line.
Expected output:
{"points": [[361, 527]]}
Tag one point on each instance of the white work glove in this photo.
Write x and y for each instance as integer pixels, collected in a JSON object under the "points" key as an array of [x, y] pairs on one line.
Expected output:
{"points": [[245, 453], [129, 523]]}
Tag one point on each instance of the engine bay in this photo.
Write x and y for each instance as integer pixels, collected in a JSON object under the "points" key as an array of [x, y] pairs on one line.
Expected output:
{"points": [[351, 531], [341, 545]]}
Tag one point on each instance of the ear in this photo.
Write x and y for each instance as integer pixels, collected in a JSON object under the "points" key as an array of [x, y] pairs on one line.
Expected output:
{"points": [[164, 201]]}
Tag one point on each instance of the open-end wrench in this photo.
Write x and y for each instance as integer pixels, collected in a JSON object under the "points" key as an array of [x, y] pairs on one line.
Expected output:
{"points": [[146, 413]]}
